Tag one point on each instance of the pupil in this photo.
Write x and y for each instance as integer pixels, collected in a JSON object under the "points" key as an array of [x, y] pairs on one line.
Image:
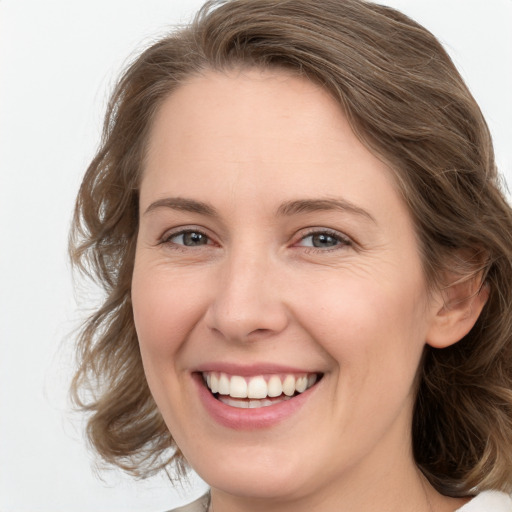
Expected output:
{"points": [[193, 238], [324, 241]]}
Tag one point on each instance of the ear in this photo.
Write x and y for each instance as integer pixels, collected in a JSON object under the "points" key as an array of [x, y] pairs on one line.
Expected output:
{"points": [[458, 307]]}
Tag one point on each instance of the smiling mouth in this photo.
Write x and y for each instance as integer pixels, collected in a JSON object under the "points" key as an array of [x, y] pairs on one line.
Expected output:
{"points": [[259, 390]]}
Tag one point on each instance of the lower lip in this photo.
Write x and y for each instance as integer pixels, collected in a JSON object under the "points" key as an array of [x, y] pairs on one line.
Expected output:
{"points": [[249, 419]]}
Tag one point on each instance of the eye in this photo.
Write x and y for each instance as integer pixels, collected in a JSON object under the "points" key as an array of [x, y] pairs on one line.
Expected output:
{"points": [[187, 238], [324, 240]]}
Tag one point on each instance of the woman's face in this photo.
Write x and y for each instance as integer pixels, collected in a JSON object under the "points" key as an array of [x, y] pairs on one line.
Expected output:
{"points": [[274, 249]]}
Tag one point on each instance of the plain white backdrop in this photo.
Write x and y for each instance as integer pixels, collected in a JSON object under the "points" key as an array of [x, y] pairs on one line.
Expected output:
{"points": [[58, 62]]}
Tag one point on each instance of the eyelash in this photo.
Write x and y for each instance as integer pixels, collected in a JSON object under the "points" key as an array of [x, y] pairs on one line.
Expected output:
{"points": [[343, 241], [166, 239]]}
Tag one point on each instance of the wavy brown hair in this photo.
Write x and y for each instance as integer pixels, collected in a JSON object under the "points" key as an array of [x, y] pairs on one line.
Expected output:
{"points": [[408, 104]]}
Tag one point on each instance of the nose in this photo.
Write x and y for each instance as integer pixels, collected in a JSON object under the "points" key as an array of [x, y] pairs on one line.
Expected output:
{"points": [[247, 303]]}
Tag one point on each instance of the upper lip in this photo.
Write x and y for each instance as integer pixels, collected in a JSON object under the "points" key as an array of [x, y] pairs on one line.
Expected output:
{"points": [[248, 370]]}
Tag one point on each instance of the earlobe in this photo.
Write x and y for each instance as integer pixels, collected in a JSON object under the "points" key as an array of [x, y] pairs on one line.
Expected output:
{"points": [[461, 305]]}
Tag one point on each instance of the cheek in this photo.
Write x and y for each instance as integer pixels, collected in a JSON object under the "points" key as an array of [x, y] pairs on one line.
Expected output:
{"points": [[164, 311], [375, 330]]}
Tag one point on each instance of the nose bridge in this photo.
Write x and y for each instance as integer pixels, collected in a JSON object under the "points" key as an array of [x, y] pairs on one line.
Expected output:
{"points": [[247, 301]]}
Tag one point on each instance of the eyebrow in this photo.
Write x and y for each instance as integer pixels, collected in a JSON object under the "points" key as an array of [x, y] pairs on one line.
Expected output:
{"points": [[314, 205], [286, 209], [183, 204]]}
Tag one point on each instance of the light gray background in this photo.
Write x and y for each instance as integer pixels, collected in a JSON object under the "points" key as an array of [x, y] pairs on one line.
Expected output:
{"points": [[58, 60]]}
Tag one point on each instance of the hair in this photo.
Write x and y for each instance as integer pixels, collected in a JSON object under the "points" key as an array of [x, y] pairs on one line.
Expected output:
{"points": [[408, 104]]}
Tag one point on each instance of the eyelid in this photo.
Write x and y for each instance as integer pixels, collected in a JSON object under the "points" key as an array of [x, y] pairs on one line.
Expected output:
{"points": [[345, 241], [181, 230]]}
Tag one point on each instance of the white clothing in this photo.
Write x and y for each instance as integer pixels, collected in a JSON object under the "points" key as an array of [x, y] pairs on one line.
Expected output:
{"points": [[487, 501]]}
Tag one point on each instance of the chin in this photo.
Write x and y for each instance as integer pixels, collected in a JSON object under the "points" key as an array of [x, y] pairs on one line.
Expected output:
{"points": [[254, 472], [257, 482]]}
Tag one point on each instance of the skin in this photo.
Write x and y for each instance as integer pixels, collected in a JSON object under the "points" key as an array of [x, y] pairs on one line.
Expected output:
{"points": [[356, 309]]}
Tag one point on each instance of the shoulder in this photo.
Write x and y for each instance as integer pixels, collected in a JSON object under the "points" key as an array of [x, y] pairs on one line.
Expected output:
{"points": [[200, 505], [488, 501]]}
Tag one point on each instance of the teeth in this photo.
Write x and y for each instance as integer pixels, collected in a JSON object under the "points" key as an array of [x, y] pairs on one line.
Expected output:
{"points": [[239, 404], [289, 385], [251, 404], [258, 388], [237, 387], [213, 384], [301, 384], [275, 387], [224, 385]]}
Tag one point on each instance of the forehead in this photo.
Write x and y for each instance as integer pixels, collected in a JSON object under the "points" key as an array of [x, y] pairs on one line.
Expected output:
{"points": [[267, 133], [245, 104]]}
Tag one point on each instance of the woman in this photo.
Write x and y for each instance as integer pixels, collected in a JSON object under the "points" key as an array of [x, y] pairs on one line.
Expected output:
{"points": [[307, 260]]}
